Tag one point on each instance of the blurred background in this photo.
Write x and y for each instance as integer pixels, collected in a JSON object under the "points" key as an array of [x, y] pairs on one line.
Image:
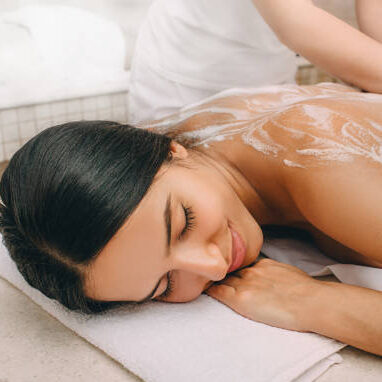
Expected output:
{"points": [[50, 80], [130, 13]]}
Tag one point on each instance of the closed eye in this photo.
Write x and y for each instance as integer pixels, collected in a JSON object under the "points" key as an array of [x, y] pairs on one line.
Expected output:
{"points": [[170, 286], [190, 223]]}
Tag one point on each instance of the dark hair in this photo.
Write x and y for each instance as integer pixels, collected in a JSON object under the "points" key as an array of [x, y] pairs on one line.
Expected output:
{"points": [[66, 192]]}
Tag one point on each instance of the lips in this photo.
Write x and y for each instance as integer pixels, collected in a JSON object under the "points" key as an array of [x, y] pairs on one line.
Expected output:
{"points": [[238, 251]]}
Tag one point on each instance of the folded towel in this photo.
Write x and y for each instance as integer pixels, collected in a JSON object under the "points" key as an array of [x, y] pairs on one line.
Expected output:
{"points": [[70, 53], [201, 340]]}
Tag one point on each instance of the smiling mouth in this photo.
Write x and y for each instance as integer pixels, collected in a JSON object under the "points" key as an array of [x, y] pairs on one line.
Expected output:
{"points": [[238, 251]]}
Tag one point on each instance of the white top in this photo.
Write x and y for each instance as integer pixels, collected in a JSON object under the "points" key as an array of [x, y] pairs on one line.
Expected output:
{"points": [[206, 45]]}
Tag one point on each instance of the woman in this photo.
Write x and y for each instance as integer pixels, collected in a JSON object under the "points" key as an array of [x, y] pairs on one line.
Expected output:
{"points": [[97, 214]]}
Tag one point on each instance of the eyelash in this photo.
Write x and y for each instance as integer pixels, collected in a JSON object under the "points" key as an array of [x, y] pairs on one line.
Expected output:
{"points": [[190, 224], [170, 286], [190, 217]]}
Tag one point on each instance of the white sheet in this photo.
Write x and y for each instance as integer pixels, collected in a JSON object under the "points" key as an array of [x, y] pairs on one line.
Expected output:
{"points": [[202, 340], [315, 263]]}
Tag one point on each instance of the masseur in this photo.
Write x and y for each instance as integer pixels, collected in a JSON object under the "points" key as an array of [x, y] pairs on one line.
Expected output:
{"points": [[189, 50]]}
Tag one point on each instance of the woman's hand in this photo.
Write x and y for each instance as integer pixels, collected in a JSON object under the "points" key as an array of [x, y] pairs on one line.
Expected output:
{"points": [[271, 292], [282, 295]]}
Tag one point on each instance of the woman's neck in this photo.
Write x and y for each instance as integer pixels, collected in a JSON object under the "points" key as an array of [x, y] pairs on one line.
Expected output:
{"points": [[266, 199]]}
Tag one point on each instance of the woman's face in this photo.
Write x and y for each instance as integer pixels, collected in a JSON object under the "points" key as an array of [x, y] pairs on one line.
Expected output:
{"points": [[138, 257]]}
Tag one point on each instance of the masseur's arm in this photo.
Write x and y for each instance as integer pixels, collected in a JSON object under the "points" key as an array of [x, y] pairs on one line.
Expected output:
{"points": [[326, 41], [369, 16]]}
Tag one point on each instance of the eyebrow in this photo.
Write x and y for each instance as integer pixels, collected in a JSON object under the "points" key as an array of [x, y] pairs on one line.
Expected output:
{"points": [[167, 215]]}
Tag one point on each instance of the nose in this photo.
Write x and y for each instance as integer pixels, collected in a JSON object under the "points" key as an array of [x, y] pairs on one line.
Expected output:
{"points": [[206, 261]]}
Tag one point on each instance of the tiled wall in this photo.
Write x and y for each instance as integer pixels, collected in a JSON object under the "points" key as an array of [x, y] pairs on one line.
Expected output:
{"points": [[18, 125]]}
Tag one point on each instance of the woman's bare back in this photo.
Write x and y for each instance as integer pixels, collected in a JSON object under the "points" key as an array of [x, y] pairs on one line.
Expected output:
{"points": [[304, 132]]}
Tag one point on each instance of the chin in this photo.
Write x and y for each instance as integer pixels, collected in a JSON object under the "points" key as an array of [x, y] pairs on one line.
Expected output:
{"points": [[184, 299], [253, 253], [253, 238]]}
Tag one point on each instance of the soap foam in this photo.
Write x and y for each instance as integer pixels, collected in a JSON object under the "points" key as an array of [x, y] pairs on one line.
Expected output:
{"points": [[266, 118]]}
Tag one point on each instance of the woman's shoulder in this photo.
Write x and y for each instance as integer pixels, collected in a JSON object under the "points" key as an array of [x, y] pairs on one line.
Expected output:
{"points": [[325, 140], [343, 202]]}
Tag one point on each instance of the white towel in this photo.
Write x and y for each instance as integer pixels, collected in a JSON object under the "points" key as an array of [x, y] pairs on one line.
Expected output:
{"points": [[70, 53], [203, 340]]}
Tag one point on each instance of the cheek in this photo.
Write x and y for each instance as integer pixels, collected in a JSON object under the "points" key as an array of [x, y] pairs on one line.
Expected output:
{"points": [[188, 287], [212, 205], [209, 222]]}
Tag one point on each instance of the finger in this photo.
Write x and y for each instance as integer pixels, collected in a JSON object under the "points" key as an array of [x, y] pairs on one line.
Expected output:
{"points": [[271, 262], [289, 267], [294, 268], [224, 294], [221, 292], [267, 261]]}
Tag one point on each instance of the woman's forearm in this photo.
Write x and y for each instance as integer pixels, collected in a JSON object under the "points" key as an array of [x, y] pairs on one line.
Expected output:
{"points": [[326, 41], [349, 314], [284, 296]]}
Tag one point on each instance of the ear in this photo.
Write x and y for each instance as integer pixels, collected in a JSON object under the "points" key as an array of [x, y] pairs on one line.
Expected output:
{"points": [[178, 151]]}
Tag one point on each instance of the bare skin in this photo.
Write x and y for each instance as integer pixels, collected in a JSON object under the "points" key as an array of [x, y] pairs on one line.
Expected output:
{"points": [[282, 196], [329, 42], [231, 185]]}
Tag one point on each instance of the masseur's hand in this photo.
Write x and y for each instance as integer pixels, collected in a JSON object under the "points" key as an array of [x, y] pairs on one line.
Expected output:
{"points": [[271, 292]]}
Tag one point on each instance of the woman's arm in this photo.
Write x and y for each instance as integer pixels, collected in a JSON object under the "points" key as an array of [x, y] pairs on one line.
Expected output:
{"points": [[369, 16], [326, 41], [284, 296], [349, 314]]}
